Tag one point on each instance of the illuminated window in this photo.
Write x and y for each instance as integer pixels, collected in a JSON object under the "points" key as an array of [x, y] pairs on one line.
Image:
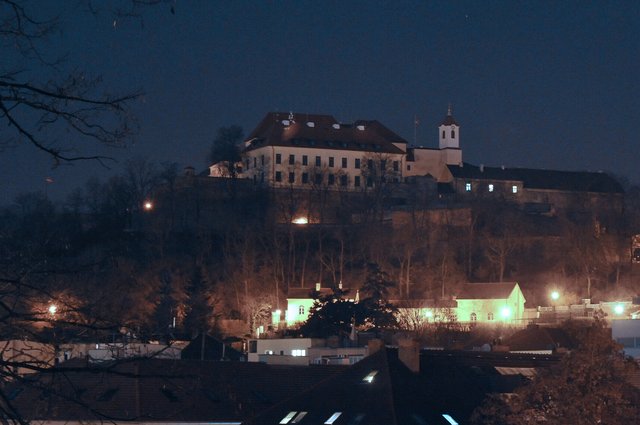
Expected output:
{"points": [[473, 317], [449, 419], [298, 353], [489, 316], [301, 309], [299, 417], [288, 418], [269, 352], [514, 189], [490, 188], [467, 187], [333, 418], [370, 376]]}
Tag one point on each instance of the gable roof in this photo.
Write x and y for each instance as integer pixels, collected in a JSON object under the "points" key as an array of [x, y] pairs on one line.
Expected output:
{"points": [[539, 338], [322, 132], [393, 395], [576, 181], [486, 291], [210, 349], [161, 390]]}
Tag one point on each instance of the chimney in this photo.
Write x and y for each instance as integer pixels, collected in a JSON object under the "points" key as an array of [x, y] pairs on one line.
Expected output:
{"points": [[374, 345], [409, 354], [318, 286]]}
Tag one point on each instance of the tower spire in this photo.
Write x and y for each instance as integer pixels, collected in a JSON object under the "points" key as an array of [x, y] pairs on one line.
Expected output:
{"points": [[449, 110]]}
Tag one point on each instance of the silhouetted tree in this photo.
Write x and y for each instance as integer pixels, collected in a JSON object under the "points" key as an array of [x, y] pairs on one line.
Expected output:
{"points": [[226, 149], [589, 386]]}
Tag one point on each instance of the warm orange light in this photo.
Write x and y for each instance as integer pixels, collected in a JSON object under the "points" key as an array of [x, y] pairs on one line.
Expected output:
{"points": [[53, 309], [300, 220], [148, 205]]}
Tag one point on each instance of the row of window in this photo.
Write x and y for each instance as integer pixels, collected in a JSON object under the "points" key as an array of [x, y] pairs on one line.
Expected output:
{"points": [[474, 317], [342, 180], [357, 162], [490, 188]]}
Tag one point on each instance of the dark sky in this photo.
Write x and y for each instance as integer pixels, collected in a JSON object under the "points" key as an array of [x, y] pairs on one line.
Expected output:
{"points": [[542, 84]]}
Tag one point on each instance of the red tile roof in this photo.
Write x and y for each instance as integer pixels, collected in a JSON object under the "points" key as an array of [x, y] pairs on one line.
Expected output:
{"points": [[323, 132]]}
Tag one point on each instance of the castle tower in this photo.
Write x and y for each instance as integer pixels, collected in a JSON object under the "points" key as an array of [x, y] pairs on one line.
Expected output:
{"points": [[449, 136]]}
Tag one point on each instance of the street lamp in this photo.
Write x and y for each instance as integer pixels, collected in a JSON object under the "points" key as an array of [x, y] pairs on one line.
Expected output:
{"points": [[148, 205], [618, 309], [52, 309], [555, 296]]}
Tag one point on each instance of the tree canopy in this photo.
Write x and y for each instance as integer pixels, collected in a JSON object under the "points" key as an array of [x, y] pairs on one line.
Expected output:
{"points": [[589, 386], [226, 149]]}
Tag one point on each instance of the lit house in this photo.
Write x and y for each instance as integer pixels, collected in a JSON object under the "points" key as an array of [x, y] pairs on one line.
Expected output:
{"points": [[491, 303], [300, 301]]}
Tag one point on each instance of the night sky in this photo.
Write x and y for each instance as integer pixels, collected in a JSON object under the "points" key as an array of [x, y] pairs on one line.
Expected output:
{"points": [[541, 84]]}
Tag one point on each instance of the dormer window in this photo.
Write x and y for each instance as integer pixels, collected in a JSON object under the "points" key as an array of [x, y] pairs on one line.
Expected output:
{"points": [[467, 187], [369, 378], [514, 189], [490, 188]]}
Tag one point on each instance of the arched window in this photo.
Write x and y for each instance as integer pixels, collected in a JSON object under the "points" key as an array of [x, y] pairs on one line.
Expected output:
{"points": [[301, 309], [443, 134], [474, 317], [453, 134]]}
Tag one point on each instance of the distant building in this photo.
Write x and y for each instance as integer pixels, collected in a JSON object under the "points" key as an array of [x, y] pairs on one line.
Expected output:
{"points": [[303, 351], [316, 151], [491, 303], [300, 301], [626, 332]]}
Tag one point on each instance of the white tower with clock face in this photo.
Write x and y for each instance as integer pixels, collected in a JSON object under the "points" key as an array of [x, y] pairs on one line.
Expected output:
{"points": [[449, 136]]}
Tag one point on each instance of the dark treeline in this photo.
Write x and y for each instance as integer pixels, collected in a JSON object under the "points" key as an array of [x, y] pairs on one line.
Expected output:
{"points": [[212, 250]]}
